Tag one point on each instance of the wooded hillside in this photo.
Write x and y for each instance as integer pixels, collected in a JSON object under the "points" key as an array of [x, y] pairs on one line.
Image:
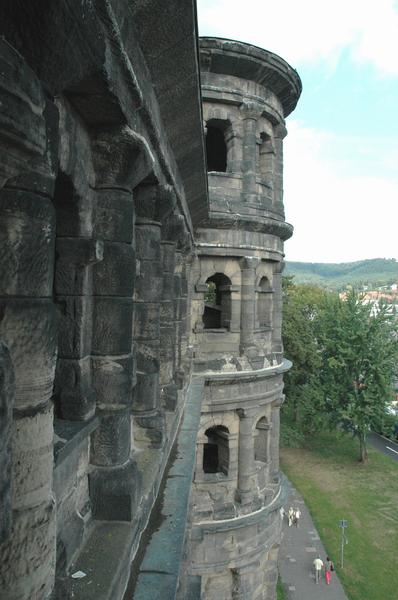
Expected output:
{"points": [[373, 273]]}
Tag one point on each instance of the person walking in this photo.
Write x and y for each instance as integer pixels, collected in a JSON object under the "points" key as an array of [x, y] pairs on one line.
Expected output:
{"points": [[318, 565], [282, 513], [329, 567], [290, 516], [297, 515]]}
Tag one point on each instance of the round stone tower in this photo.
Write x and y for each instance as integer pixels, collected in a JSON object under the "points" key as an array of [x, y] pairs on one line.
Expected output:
{"points": [[236, 321]]}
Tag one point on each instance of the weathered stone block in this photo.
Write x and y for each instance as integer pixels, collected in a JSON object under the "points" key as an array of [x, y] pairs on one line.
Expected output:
{"points": [[115, 492], [27, 239], [113, 218], [32, 458], [168, 256], [112, 325], [114, 275], [110, 442], [7, 390], [27, 561], [28, 327], [22, 128], [146, 392], [147, 240], [73, 256], [113, 378], [74, 393], [146, 321], [166, 312], [148, 284], [74, 326]]}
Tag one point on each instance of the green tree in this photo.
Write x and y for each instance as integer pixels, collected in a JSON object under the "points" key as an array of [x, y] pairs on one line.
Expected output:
{"points": [[302, 305], [359, 355]]}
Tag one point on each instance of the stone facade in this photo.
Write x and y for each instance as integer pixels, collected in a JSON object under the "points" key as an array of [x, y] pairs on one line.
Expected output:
{"points": [[236, 321], [107, 246]]}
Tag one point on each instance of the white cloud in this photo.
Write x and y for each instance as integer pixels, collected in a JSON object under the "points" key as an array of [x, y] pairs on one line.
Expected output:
{"points": [[337, 217], [310, 30]]}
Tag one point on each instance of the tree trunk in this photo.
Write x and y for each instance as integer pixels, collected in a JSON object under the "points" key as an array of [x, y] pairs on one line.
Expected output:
{"points": [[363, 451]]}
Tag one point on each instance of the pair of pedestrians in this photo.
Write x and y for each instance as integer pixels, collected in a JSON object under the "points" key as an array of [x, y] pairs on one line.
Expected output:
{"points": [[293, 516], [327, 565]]}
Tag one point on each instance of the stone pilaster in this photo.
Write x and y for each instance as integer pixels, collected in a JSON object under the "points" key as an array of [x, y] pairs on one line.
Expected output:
{"points": [[277, 348], [280, 134], [242, 581], [245, 457], [120, 160], [148, 418], [248, 266], [7, 393], [250, 114], [28, 325], [275, 416], [74, 394], [167, 330]]}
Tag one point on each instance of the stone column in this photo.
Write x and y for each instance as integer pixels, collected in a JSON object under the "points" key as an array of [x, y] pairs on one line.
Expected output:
{"points": [[167, 331], [28, 327], [248, 266], [74, 394], [243, 582], [250, 114], [121, 161], [275, 431], [277, 347], [245, 458], [148, 418], [184, 311], [279, 134], [7, 394], [28, 136]]}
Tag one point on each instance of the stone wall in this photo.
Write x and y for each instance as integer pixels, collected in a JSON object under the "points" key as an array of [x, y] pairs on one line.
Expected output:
{"points": [[108, 247], [101, 182]]}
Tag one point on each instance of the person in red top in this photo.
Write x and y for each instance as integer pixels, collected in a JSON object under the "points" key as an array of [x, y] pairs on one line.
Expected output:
{"points": [[329, 567]]}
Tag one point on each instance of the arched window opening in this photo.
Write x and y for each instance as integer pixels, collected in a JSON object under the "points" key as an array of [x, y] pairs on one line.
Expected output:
{"points": [[217, 313], [216, 149], [261, 440], [216, 450], [264, 303]]}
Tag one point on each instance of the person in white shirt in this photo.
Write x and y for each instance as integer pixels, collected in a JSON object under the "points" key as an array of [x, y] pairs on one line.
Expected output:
{"points": [[297, 515], [318, 566]]}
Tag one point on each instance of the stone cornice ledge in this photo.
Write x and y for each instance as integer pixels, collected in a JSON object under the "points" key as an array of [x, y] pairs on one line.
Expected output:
{"points": [[221, 55], [251, 375]]}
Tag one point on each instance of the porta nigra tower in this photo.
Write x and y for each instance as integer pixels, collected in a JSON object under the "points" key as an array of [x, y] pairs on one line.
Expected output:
{"points": [[236, 321]]}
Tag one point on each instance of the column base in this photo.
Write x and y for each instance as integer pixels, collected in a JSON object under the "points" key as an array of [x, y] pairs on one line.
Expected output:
{"points": [[170, 397], [150, 430], [115, 492]]}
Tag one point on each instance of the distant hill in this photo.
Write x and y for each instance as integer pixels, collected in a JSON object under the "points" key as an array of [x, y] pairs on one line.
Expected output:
{"points": [[375, 272]]}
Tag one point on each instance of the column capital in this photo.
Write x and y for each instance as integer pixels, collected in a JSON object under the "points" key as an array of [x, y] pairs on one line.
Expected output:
{"points": [[251, 109], [245, 413], [122, 158], [249, 262]]}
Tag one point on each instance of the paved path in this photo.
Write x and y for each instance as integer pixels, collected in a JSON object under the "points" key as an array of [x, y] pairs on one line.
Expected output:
{"points": [[384, 445], [300, 546]]}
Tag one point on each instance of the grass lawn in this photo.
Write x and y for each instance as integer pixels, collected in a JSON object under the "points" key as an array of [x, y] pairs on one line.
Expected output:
{"points": [[336, 486], [280, 594]]}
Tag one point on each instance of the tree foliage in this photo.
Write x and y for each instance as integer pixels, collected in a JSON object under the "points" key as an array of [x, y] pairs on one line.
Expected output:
{"points": [[359, 355], [344, 354], [304, 399]]}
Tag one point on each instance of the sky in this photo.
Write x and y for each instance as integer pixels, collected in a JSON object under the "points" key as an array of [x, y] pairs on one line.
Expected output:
{"points": [[341, 152]]}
